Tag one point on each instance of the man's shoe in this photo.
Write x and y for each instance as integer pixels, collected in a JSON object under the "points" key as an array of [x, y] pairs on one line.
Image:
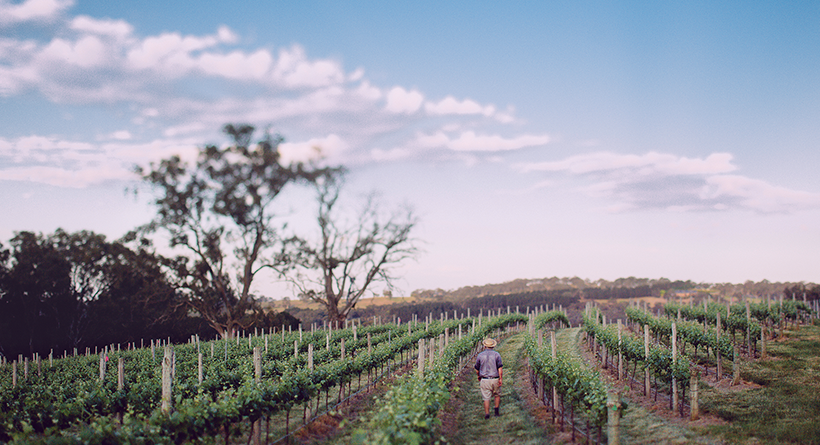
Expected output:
{"points": [[496, 412], [486, 416]]}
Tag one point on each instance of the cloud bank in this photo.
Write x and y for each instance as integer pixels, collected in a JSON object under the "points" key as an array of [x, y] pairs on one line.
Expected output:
{"points": [[675, 183], [176, 90]]}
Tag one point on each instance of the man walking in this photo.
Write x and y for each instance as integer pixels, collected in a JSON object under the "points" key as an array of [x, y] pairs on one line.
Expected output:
{"points": [[489, 371]]}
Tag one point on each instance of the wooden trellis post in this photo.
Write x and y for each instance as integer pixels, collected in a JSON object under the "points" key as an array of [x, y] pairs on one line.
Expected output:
{"points": [[647, 382], [674, 362], [102, 367], [613, 423], [719, 372], [120, 374], [693, 397], [748, 329], [736, 366], [421, 357], [554, 347], [257, 368], [620, 354], [167, 377]]}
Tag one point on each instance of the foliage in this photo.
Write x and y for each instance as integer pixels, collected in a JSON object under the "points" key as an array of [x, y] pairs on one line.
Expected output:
{"points": [[66, 290], [734, 322], [407, 412], [69, 403], [691, 332], [522, 300], [581, 386], [549, 317], [219, 213], [336, 269], [629, 287], [800, 290], [659, 360]]}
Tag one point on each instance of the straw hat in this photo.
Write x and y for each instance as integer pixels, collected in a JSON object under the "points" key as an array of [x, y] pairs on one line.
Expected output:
{"points": [[489, 343]]}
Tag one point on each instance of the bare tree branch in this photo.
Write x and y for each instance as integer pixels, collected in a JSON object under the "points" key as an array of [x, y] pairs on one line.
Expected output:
{"points": [[220, 211], [336, 269]]}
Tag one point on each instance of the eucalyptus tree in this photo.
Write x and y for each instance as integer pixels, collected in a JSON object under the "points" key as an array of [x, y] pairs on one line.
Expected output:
{"points": [[37, 302], [219, 213], [345, 257], [64, 290]]}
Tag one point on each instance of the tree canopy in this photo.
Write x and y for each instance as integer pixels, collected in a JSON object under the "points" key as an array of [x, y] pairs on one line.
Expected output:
{"points": [[67, 290], [218, 215]]}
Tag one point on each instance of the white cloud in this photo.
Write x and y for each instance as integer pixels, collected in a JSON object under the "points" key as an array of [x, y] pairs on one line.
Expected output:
{"points": [[294, 70], [757, 195], [237, 65], [87, 52], [15, 79], [356, 75], [675, 183], [197, 83], [131, 153], [328, 147], [169, 52], [64, 177], [32, 10], [114, 28], [188, 128], [226, 35], [64, 163], [369, 92], [394, 154], [449, 105], [470, 141], [400, 100], [121, 135], [28, 144], [648, 163]]}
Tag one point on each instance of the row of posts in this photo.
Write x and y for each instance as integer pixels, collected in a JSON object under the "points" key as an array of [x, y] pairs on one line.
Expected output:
{"points": [[693, 382], [271, 331], [613, 398]]}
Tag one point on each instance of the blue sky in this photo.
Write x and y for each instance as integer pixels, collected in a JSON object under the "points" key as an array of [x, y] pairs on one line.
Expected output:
{"points": [[590, 139]]}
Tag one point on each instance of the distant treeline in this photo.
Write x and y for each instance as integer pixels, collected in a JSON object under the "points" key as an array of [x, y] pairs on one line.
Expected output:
{"points": [[64, 290], [523, 300], [559, 297], [423, 309], [812, 292], [76, 290], [620, 288], [596, 293]]}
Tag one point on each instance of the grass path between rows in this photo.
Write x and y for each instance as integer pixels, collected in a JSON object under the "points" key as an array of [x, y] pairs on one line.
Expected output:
{"points": [[514, 425], [785, 407], [639, 425]]}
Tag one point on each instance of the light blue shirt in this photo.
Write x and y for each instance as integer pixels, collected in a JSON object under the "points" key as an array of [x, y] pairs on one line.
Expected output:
{"points": [[487, 364]]}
